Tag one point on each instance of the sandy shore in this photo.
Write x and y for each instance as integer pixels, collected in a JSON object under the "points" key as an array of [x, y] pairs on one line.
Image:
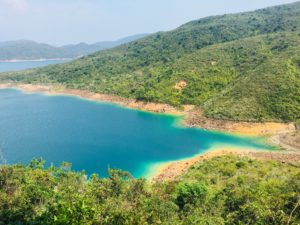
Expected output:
{"points": [[196, 118], [172, 170], [193, 117], [125, 102]]}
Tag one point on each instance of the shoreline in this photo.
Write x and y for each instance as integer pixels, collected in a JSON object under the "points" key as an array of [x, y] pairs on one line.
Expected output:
{"points": [[104, 98], [170, 171], [191, 117], [167, 171]]}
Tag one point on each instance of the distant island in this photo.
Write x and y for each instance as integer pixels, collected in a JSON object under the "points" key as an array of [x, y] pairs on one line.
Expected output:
{"points": [[26, 50]]}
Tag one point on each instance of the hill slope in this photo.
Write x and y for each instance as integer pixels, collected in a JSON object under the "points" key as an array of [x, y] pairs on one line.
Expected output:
{"points": [[241, 66]]}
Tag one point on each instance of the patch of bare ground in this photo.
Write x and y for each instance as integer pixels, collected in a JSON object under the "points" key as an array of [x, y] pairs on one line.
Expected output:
{"points": [[195, 118], [288, 140], [180, 85], [172, 171]]}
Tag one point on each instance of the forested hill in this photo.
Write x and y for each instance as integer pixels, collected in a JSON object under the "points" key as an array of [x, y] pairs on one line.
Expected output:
{"points": [[223, 190], [242, 66], [27, 50]]}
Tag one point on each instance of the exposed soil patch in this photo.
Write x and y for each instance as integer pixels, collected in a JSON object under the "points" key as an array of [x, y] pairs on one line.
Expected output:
{"points": [[213, 62], [172, 171], [180, 85], [195, 118], [289, 141]]}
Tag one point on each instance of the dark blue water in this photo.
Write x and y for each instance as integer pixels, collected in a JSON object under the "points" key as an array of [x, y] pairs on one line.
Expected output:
{"points": [[94, 136], [14, 66]]}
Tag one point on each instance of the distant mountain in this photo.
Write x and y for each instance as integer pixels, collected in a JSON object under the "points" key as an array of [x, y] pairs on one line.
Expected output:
{"points": [[84, 49], [243, 66], [26, 49]]}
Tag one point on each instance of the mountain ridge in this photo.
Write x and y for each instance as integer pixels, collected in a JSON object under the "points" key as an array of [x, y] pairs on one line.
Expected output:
{"points": [[28, 49]]}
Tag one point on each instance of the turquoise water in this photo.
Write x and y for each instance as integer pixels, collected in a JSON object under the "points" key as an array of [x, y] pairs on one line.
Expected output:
{"points": [[94, 136], [14, 66]]}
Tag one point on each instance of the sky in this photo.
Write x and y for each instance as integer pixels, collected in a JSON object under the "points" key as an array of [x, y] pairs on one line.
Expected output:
{"points": [[62, 22]]}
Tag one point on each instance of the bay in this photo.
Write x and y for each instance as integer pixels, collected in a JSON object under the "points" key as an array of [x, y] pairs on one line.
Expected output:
{"points": [[96, 136]]}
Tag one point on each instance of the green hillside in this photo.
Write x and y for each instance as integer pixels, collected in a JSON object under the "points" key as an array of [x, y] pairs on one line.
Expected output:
{"points": [[240, 67], [223, 190]]}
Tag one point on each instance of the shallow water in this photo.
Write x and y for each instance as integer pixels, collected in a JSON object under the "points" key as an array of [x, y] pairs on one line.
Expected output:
{"points": [[14, 66], [94, 136]]}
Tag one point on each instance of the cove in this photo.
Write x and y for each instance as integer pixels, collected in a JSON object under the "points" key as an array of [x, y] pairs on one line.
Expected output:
{"points": [[95, 136]]}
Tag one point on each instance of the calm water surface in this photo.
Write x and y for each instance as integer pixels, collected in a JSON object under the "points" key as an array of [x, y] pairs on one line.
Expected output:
{"points": [[14, 66], [94, 136]]}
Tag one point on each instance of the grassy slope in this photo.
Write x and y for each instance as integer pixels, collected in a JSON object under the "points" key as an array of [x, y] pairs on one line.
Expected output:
{"points": [[268, 83], [223, 190], [256, 76]]}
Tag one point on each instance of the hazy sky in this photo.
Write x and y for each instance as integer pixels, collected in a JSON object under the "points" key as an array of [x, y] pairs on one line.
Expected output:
{"points": [[70, 21]]}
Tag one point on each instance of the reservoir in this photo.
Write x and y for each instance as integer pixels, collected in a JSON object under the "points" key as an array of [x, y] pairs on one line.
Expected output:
{"points": [[96, 136]]}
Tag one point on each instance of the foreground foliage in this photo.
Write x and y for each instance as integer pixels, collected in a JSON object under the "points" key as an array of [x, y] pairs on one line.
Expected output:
{"points": [[242, 66], [223, 190]]}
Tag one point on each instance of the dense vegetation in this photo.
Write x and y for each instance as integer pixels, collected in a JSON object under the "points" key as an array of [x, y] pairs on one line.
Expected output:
{"points": [[240, 67], [26, 50], [223, 190]]}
